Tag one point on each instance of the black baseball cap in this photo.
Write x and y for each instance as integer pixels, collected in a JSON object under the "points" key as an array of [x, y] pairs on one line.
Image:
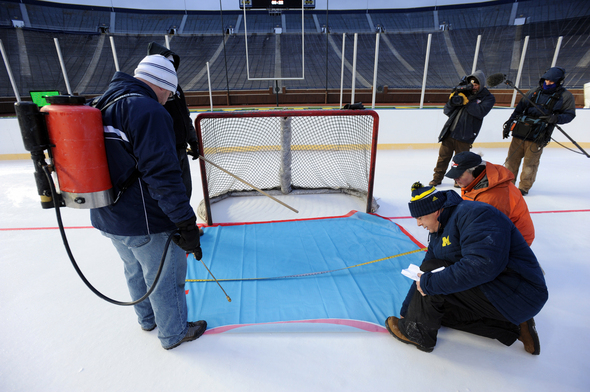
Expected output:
{"points": [[461, 162]]}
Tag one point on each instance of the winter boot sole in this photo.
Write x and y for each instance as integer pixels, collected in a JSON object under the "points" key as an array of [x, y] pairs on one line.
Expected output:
{"points": [[392, 327]]}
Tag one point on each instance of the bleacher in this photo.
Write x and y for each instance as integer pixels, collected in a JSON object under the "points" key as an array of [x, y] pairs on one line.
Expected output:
{"points": [[131, 22], [345, 22], [403, 21], [201, 37], [475, 16], [551, 10], [259, 22], [65, 17], [293, 23], [8, 12], [207, 24]]}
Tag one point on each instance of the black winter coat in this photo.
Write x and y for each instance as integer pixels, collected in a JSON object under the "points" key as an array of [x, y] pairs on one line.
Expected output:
{"points": [[470, 116], [564, 107], [184, 130]]}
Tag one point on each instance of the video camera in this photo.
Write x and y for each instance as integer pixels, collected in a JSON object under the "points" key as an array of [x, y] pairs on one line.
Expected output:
{"points": [[464, 88]]}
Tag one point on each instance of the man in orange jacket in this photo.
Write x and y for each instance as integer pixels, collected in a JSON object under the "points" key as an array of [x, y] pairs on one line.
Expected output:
{"points": [[492, 184]]}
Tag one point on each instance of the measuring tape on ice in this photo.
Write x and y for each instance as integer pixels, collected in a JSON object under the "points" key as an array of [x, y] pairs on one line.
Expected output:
{"points": [[309, 273]]}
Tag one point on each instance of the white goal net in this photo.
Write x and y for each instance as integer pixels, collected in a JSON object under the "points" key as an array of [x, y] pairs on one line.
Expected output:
{"points": [[286, 152]]}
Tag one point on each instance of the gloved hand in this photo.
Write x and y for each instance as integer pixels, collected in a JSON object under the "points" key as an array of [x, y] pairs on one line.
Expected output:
{"points": [[552, 119], [194, 150], [188, 237], [459, 99], [506, 131]]}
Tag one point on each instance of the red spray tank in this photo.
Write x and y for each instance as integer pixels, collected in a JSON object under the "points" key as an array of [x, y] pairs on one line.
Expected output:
{"points": [[76, 135]]}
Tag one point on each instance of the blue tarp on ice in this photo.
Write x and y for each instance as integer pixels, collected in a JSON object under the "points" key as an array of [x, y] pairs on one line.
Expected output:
{"points": [[358, 298]]}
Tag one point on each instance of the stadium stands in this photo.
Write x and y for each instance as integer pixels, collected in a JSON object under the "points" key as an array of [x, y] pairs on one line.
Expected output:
{"points": [[207, 24], [346, 22], [65, 18], [475, 16], [8, 13], [130, 22], [200, 37]]}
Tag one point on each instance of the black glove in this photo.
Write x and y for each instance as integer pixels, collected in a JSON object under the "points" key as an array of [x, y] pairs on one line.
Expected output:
{"points": [[194, 150], [506, 131], [552, 119], [188, 237]]}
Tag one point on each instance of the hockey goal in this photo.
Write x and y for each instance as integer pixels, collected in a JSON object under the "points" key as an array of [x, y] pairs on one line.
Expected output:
{"points": [[287, 152]]}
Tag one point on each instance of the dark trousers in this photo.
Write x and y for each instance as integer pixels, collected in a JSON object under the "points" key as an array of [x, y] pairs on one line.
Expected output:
{"points": [[448, 146], [468, 311]]}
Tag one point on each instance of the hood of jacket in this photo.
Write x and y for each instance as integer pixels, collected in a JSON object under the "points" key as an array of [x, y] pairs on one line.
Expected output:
{"points": [[554, 74], [497, 176], [480, 76], [155, 48]]}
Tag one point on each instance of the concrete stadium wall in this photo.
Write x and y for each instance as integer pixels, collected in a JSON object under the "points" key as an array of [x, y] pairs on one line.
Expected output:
{"points": [[398, 129]]}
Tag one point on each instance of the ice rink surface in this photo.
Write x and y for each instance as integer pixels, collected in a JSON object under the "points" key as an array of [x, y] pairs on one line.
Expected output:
{"points": [[56, 335]]}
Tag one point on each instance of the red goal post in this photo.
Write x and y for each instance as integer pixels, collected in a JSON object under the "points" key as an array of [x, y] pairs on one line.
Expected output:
{"points": [[287, 152]]}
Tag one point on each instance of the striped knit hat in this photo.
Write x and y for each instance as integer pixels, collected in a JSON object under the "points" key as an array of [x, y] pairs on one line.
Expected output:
{"points": [[157, 70], [425, 200]]}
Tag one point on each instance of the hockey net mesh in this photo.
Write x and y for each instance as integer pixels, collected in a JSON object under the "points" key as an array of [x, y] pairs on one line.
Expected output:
{"points": [[284, 152]]}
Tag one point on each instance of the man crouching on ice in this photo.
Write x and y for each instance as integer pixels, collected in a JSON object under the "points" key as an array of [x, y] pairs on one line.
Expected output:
{"points": [[492, 284]]}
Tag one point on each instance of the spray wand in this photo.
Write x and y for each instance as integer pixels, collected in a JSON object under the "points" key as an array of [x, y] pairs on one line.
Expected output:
{"points": [[208, 270]]}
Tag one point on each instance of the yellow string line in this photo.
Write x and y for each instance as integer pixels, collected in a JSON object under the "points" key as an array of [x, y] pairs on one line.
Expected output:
{"points": [[309, 273]]}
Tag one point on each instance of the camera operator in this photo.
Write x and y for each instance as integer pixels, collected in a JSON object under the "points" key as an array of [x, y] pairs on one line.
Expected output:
{"points": [[532, 126], [468, 104]]}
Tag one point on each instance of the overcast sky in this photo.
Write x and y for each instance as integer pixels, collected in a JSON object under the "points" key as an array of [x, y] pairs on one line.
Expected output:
{"points": [[203, 5]]}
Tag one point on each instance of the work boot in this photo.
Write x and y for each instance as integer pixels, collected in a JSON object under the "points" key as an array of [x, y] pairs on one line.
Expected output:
{"points": [[148, 329], [392, 326], [195, 330], [530, 339]]}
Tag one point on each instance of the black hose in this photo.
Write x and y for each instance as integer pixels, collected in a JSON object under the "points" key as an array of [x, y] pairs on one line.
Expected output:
{"points": [[71, 256]]}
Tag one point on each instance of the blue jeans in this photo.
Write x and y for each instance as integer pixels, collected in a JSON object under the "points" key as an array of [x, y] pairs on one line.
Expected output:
{"points": [[166, 306]]}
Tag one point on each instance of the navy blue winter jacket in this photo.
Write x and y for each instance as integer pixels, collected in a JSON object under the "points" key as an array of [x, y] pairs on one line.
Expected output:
{"points": [[564, 107], [470, 115], [138, 134], [485, 249]]}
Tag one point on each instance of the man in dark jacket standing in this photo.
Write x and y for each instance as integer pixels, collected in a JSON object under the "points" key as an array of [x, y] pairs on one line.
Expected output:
{"points": [[491, 284], [184, 130], [152, 203], [532, 124], [467, 106]]}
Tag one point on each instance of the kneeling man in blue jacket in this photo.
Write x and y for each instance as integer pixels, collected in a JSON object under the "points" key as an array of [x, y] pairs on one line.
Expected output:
{"points": [[491, 284]]}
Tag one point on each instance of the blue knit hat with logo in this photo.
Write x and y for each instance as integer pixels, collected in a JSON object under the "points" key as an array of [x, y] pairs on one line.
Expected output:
{"points": [[425, 200]]}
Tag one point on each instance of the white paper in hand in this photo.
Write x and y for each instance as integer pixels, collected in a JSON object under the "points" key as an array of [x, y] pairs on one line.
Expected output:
{"points": [[413, 270]]}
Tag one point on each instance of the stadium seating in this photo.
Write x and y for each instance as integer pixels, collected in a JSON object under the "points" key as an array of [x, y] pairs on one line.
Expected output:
{"points": [[199, 37]]}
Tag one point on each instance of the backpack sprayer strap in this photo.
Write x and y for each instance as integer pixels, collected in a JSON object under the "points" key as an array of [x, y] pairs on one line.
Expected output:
{"points": [[94, 102]]}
